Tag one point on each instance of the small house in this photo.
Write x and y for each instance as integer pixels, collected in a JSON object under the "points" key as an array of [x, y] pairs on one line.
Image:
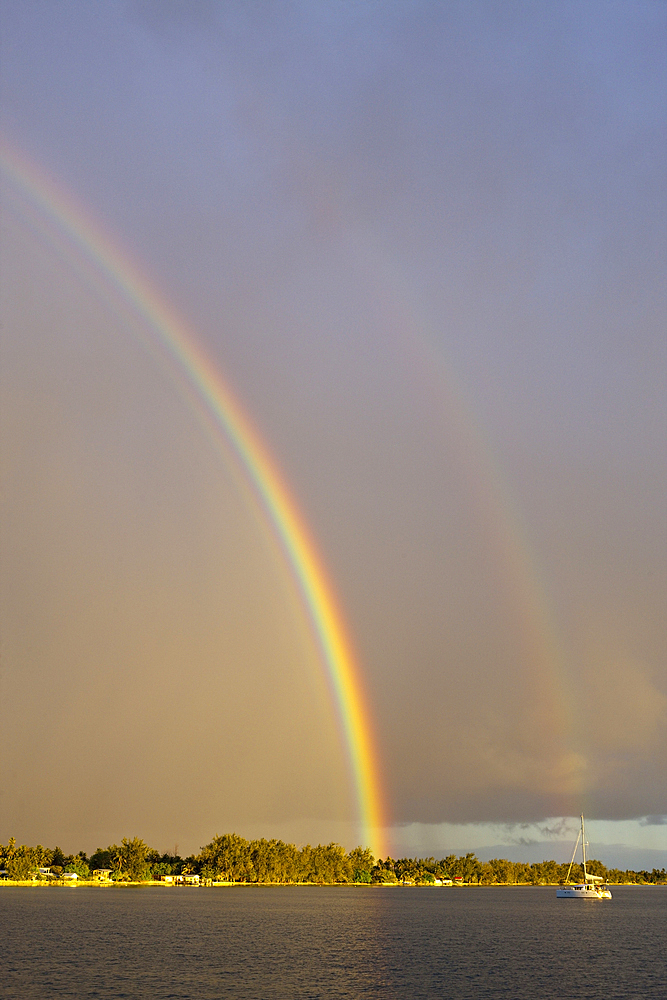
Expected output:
{"points": [[180, 879]]}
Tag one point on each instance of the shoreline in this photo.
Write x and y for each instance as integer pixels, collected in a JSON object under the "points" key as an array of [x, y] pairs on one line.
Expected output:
{"points": [[62, 884]]}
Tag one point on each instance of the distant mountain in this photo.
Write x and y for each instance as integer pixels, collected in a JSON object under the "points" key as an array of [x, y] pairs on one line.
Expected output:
{"points": [[612, 855]]}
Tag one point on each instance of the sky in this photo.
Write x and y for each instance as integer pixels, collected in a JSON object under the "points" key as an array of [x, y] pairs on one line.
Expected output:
{"points": [[424, 245]]}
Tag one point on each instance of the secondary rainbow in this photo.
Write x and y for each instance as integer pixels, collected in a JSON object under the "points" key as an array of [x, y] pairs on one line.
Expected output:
{"points": [[271, 493]]}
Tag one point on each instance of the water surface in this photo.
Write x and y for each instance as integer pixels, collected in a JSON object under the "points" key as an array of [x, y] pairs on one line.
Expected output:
{"points": [[283, 943]]}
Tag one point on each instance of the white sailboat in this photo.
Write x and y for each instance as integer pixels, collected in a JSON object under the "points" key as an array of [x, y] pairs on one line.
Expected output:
{"points": [[593, 886]]}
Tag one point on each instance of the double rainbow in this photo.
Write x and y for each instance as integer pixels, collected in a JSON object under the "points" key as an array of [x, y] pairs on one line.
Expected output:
{"points": [[108, 266]]}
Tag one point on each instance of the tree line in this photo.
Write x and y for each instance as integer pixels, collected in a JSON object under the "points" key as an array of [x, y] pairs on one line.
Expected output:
{"points": [[499, 871], [228, 858], [231, 858]]}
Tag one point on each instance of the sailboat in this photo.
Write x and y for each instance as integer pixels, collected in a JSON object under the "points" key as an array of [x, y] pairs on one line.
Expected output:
{"points": [[593, 886]]}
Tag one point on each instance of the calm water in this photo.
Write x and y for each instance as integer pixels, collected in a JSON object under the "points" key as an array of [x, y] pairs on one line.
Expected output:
{"points": [[302, 942]]}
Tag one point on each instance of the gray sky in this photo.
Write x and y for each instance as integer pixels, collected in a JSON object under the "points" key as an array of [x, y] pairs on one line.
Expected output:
{"points": [[425, 244]]}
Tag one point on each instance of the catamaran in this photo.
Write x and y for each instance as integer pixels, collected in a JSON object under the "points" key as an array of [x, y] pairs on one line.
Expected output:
{"points": [[593, 886]]}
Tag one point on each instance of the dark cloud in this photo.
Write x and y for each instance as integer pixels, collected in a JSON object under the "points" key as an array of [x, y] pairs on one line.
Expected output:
{"points": [[426, 245]]}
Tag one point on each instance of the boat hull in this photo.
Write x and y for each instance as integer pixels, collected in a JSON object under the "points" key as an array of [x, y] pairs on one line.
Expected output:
{"points": [[583, 892]]}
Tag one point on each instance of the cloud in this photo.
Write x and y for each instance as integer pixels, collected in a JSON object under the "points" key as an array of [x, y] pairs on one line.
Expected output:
{"points": [[660, 820], [624, 689], [555, 830], [534, 833], [384, 222]]}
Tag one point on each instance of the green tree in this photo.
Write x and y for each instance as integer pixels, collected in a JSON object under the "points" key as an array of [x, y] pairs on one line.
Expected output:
{"points": [[594, 867], [225, 857], [100, 859], [468, 867], [545, 873], [487, 875], [521, 872], [20, 867], [361, 862], [129, 860], [503, 870], [383, 872], [164, 864], [79, 867], [407, 869], [448, 866], [42, 856], [58, 858]]}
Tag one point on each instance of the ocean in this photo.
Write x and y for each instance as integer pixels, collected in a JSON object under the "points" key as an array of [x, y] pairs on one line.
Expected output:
{"points": [[293, 942]]}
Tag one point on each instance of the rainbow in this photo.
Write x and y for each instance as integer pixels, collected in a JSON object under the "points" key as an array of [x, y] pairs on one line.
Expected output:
{"points": [[205, 386], [546, 738]]}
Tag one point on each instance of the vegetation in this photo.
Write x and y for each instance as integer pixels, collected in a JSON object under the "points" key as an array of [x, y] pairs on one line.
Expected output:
{"points": [[227, 858], [231, 858], [468, 869]]}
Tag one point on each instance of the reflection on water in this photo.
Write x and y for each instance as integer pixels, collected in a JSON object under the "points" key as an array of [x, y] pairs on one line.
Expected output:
{"points": [[264, 943]]}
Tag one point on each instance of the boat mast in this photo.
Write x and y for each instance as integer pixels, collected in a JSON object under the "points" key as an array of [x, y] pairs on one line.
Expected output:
{"points": [[583, 845], [574, 853]]}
